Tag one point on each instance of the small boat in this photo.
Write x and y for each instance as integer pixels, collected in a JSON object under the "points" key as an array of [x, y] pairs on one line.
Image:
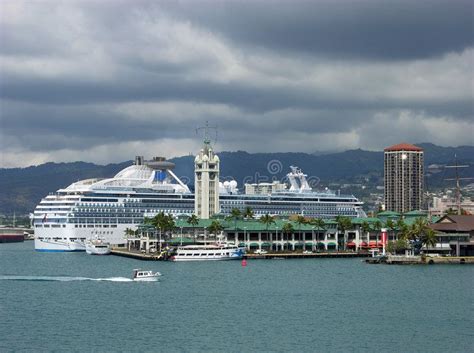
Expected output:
{"points": [[141, 275], [97, 247]]}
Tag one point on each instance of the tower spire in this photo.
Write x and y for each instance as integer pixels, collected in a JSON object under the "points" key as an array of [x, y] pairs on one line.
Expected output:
{"points": [[204, 130]]}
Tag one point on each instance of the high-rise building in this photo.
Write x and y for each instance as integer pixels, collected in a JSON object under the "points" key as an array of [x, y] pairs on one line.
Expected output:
{"points": [[206, 182], [403, 175]]}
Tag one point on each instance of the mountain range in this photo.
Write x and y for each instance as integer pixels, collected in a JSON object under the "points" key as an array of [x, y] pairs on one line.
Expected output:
{"points": [[22, 188]]}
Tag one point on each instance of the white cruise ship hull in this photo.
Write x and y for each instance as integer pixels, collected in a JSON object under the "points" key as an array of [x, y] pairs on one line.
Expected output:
{"points": [[69, 238], [51, 245]]}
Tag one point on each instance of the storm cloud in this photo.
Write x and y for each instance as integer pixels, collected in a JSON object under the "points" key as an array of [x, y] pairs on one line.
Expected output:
{"points": [[102, 81]]}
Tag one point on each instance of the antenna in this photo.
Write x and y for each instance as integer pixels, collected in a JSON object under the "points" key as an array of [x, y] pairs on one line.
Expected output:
{"points": [[457, 179], [205, 132]]}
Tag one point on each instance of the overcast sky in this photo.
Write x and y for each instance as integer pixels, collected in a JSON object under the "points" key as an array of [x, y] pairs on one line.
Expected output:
{"points": [[103, 81]]}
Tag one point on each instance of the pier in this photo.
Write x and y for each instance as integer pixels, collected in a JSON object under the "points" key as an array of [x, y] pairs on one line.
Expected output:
{"points": [[420, 260], [291, 255], [281, 255], [136, 255]]}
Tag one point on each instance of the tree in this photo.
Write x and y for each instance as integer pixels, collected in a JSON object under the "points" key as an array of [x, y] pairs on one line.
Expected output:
{"points": [[215, 227], [376, 227], [267, 220], [193, 220], [391, 226], [319, 223], [148, 221], [343, 225], [396, 247], [419, 234], [287, 229], [235, 214], [248, 213], [164, 223], [300, 220], [129, 231], [365, 226]]}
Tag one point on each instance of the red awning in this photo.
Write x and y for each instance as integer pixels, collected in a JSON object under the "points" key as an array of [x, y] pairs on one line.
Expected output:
{"points": [[351, 244]]}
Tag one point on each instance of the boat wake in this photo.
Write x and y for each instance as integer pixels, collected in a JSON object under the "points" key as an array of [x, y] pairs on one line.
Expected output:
{"points": [[63, 278]]}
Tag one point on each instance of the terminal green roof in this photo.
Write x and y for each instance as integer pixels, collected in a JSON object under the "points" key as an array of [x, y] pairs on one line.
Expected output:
{"points": [[252, 225], [388, 214], [415, 214], [361, 220]]}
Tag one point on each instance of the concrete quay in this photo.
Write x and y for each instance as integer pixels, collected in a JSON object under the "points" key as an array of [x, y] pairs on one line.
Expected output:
{"points": [[136, 255], [421, 260], [321, 255], [288, 255]]}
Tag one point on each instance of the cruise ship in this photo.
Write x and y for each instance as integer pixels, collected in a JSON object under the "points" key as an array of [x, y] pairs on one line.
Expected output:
{"points": [[105, 208]]}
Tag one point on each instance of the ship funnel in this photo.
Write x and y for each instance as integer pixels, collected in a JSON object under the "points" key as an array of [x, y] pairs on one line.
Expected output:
{"points": [[160, 163]]}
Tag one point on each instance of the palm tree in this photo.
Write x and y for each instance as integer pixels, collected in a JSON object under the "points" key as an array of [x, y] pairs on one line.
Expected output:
{"points": [[300, 220], [215, 227], [319, 223], [343, 224], [421, 234], [129, 231], [193, 220], [365, 226], [163, 223], [376, 227], [248, 213], [391, 226], [267, 220], [429, 237], [402, 228], [287, 229], [235, 214], [148, 221]]}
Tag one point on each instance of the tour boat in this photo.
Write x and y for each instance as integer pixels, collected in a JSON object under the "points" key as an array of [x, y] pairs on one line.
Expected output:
{"points": [[215, 251], [141, 275]]}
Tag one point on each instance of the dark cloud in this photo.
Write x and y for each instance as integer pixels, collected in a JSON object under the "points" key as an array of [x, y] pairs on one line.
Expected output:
{"points": [[100, 80], [375, 29]]}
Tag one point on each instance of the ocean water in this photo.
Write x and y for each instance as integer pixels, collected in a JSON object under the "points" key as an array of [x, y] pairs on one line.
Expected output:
{"points": [[76, 302]]}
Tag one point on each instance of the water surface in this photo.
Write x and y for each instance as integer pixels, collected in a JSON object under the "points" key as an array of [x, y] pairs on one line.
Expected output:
{"points": [[78, 302]]}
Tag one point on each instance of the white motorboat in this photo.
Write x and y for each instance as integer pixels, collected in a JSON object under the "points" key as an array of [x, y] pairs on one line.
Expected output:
{"points": [[97, 247], [149, 276]]}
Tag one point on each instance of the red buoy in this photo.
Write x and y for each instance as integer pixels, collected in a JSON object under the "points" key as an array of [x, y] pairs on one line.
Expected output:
{"points": [[244, 262]]}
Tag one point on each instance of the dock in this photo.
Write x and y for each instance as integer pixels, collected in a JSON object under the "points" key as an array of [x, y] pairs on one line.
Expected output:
{"points": [[288, 255], [419, 260], [136, 255], [321, 255]]}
